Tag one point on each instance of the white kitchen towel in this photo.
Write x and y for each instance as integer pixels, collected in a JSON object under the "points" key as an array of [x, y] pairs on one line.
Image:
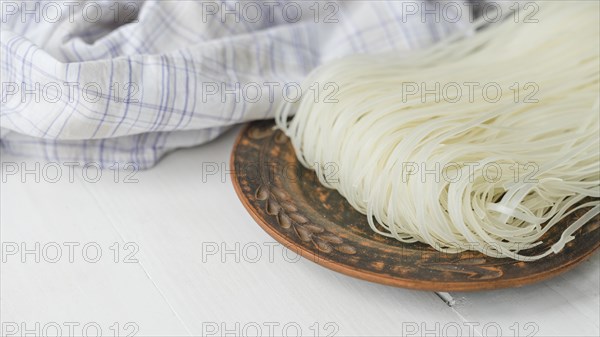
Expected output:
{"points": [[125, 82]]}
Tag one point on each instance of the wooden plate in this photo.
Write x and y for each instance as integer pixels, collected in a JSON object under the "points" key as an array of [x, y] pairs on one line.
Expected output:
{"points": [[289, 203]]}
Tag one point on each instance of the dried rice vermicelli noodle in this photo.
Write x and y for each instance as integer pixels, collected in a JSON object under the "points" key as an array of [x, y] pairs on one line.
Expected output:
{"points": [[464, 168]]}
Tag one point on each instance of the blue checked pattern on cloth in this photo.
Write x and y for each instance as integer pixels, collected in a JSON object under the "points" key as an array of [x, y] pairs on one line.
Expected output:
{"points": [[128, 88]]}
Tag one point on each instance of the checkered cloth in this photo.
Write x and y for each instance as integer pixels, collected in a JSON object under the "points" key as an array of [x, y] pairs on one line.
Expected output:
{"points": [[126, 82]]}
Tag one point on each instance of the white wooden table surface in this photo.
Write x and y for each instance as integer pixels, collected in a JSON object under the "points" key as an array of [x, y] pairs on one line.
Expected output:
{"points": [[182, 257]]}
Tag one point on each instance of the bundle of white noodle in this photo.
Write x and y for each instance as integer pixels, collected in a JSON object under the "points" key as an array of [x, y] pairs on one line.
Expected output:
{"points": [[430, 149]]}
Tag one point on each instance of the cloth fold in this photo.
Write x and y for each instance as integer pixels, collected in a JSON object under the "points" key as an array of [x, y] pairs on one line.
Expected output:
{"points": [[126, 82]]}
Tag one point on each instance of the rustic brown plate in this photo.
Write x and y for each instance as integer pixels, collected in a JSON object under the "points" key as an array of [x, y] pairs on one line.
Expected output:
{"points": [[290, 204]]}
